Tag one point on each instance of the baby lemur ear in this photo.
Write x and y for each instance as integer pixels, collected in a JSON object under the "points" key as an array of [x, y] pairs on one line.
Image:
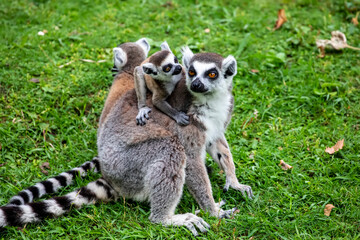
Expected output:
{"points": [[149, 68], [120, 58], [165, 46], [144, 44], [187, 55], [229, 67]]}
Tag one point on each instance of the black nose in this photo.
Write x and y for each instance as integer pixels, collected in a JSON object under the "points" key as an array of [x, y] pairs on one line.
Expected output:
{"points": [[177, 70], [198, 86]]}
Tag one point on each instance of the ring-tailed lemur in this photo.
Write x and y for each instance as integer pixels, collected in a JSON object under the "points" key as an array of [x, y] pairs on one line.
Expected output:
{"points": [[159, 73], [149, 163], [123, 81]]}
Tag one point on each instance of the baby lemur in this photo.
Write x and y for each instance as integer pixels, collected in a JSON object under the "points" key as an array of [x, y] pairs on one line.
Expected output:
{"points": [[159, 73]]}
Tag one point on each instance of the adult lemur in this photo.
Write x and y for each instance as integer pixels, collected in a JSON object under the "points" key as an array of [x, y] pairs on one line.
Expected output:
{"points": [[154, 161]]}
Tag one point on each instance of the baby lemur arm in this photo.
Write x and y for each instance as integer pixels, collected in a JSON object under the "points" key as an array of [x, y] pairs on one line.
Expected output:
{"points": [[140, 88], [159, 101], [219, 151]]}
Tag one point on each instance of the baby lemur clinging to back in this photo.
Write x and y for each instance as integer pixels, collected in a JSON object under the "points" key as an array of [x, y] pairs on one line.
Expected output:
{"points": [[158, 73]]}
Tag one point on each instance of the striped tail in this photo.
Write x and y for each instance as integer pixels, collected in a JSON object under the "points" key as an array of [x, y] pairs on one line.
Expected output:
{"points": [[53, 184], [33, 212]]}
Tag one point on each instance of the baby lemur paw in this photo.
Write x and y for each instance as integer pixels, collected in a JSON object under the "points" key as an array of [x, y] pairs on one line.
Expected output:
{"points": [[143, 114], [182, 119]]}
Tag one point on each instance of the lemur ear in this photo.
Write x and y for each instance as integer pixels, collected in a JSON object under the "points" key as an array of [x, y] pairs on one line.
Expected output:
{"points": [[149, 68], [165, 46], [187, 55], [120, 57], [229, 67], [144, 44]]}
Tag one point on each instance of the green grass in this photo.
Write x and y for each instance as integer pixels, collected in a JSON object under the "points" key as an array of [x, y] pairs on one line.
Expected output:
{"points": [[305, 104]]}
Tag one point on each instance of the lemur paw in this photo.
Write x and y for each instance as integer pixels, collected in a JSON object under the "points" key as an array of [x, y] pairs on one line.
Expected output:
{"points": [[220, 213], [182, 119], [226, 213], [143, 114], [246, 190], [189, 220]]}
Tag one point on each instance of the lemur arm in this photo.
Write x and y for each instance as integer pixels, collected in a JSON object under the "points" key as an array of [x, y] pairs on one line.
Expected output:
{"points": [[159, 101], [219, 151], [140, 88]]}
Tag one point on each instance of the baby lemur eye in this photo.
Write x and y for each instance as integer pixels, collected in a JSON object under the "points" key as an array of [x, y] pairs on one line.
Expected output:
{"points": [[191, 73], [167, 68]]}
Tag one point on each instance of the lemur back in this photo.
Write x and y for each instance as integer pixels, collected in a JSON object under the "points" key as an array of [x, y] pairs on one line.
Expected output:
{"points": [[159, 73]]}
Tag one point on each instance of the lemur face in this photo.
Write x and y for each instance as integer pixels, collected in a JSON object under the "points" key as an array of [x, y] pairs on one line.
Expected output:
{"points": [[208, 73], [163, 65]]}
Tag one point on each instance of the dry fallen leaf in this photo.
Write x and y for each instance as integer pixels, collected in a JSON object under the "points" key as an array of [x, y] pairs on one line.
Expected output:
{"points": [[207, 30], [327, 209], [41, 33], [43, 166], [35, 80], [280, 148], [254, 70], [252, 155], [337, 42], [355, 19], [284, 165], [339, 145], [281, 19]]}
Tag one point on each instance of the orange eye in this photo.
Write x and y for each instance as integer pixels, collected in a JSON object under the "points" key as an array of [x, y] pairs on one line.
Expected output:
{"points": [[212, 75], [167, 69], [191, 73]]}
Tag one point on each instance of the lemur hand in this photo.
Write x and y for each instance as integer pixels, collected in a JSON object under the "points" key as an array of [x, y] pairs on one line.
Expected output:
{"points": [[142, 115]]}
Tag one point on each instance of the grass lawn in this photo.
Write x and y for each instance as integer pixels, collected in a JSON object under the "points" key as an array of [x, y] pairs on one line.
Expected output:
{"points": [[304, 104]]}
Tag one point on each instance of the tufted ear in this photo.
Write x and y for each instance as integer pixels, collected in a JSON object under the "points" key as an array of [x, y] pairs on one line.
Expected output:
{"points": [[149, 68], [120, 58], [229, 67], [165, 46], [187, 55], [144, 44]]}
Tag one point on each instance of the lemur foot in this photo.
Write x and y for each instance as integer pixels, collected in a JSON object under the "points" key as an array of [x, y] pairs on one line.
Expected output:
{"points": [[189, 220], [223, 213], [244, 189], [182, 119], [142, 115], [226, 213]]}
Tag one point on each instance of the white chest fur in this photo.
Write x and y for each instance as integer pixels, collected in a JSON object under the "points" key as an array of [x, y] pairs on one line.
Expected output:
{"points": [[213, 113]]}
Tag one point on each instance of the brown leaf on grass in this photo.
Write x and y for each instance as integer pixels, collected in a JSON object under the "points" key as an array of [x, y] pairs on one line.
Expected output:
{"points": [[281, 19], [339, 145], [254, 70], [43, 166], [355, 19], [337, 42], [284, 165], [207, 30], [35, 80], [327, 209]]}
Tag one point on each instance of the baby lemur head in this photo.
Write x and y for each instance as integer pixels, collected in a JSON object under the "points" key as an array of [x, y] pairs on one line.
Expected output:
{"points": [[137, 50], [208, 73], [162, 65]]}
